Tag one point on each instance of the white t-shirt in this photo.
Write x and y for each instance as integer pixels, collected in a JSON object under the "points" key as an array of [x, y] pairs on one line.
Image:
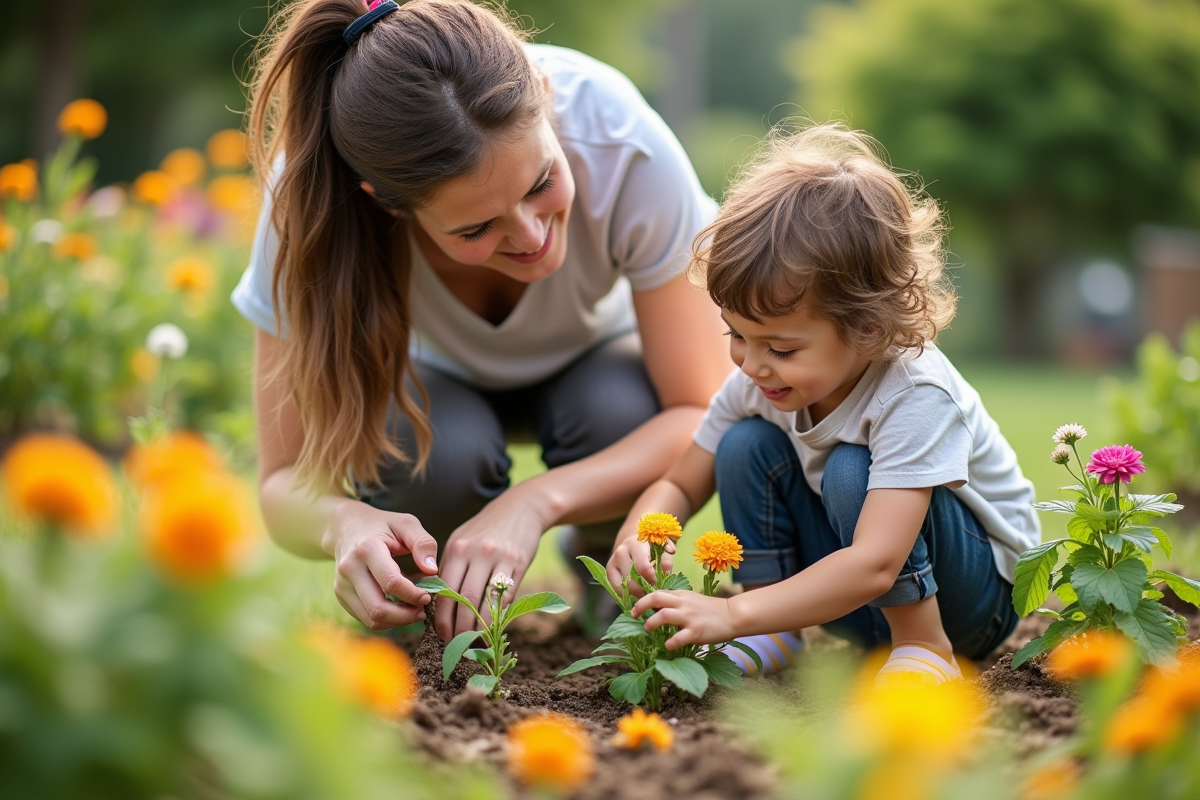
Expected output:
{"points": [[638, 205], [924, 425]]}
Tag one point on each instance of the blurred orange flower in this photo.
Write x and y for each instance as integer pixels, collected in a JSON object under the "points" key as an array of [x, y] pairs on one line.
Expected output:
{"points": [[87, 118], [880, 720], [658, 528], [718, 551], [236, 194], [550, 750], [185, 165], [144, 366], [638, 728], [8, 235], [190, 275], [59, 480], [154, 187], [372, 670], [227, 149], [178, 454], [1051, 781], [197, 528], [1140, 725], [19, 180], [1090, 655], [80, 246]]}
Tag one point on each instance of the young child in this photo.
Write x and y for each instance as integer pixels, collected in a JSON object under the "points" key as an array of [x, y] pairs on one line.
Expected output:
{"points": [[870, 489]]}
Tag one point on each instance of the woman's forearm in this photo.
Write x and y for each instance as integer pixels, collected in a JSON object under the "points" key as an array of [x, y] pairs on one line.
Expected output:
{"points": [[297, 520]]}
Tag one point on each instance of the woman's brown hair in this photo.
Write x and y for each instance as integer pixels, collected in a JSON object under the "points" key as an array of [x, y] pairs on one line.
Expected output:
{"points": [[819, 212], [414, 102]]}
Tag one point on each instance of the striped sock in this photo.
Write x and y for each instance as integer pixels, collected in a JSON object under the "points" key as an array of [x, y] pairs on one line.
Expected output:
{"points": [[776, 650], [912, 663]]}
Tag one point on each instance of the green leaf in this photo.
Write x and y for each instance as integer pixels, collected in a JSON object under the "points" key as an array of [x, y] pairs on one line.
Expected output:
{"points": [[1085, 554], [1063, 588], [1096, 517], [1032, 580], [749, 651], [625, 627], [485, 683], [1120, 586], [1032, 648], [618, 646], [1139, 536], [634, 575], [480, 655], [1156, 505], [630, 687], [600, 575], [435, 585], [1150, 627], [676, 581], [1057, 506], [721, 669], [1164, 541], [588, 663], [1056, 634], [454, 651], [1187, 589], [547, 602], [686, 673], [1076, 488]]}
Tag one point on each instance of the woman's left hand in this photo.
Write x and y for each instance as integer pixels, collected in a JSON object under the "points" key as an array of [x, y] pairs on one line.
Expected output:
{"points": [[502, 538], [700, 619]]}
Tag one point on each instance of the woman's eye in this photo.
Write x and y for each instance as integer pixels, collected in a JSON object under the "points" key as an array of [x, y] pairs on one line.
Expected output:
{"points": [[478, 233], [545, 186]]}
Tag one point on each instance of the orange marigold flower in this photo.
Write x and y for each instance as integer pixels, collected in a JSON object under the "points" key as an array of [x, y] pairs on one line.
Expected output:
{"points": [[178, 454], [1051, 781], [639, 728], [235, 194], [19, 180], [550, 750], [80, 246], [373, 671], [1090, 655], [154, 187], [658, 528], [1176, 687], [190, 275], [227, 149], [185, 165], [60, 480], [87, 118], [1140, 725], [718, 551], [8, 235], [197, 528]]}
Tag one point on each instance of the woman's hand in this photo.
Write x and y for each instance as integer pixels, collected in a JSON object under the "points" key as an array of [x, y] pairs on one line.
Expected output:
{"points": [[630, 552], [502, 538], [700, 619], [365, 542]]}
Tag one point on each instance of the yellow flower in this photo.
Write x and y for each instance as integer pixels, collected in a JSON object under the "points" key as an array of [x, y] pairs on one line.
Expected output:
{"points": [[8, 235], [236, 194], [80, 246], [185, 165], [640, 728], [190, 275], [154, 187], [1139, 725], [86, 118], [881, 719], [178, 454], [227, 149], [718, 551], [198, 527], [1051, 781], [550, 750], [658, 528], [1090, 655], [19, 180], [59, 480]]}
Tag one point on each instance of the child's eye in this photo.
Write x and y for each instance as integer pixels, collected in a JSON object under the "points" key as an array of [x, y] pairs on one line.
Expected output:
{"points": [[773, 353], [478, 233], [732, 334]]}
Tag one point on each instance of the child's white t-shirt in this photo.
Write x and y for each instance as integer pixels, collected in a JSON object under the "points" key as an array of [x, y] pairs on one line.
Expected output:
{"points": [[924, 425], [638, 205]]}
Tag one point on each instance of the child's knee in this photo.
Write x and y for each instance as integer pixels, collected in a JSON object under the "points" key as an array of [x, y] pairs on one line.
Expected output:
{"points": [[752, 446], [844, 484]]}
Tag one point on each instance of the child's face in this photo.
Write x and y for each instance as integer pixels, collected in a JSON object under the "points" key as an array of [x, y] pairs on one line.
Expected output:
{"points": [[796, 359]]}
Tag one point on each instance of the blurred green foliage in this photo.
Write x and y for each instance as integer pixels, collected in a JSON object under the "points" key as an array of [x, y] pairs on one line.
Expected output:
{"points": [[1055, 126]]}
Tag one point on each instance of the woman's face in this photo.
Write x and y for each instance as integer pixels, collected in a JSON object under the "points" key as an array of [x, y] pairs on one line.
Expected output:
{"points": [[510, 214]]}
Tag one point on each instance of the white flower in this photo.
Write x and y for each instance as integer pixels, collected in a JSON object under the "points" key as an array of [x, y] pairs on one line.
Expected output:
{"points": [[501, 583], [106, 202], [167, 341], [1061, 454], [1069, 434], [46, 231]]}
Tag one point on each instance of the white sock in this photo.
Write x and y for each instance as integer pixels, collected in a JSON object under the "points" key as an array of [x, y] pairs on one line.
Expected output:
{"points": [[913, 663], [777, 650]]}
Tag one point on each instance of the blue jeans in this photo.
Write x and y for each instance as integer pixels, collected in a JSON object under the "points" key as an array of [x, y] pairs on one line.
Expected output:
{"points": [[785, 527]]}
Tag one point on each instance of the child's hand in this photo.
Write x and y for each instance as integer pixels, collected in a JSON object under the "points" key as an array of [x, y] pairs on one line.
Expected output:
{"points": [[630, 551], [700, 619]]}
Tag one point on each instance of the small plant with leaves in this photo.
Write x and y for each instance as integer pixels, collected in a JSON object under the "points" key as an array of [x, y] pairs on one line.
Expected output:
{"points": [[1107, 581], [643, 653], [494, 655]]}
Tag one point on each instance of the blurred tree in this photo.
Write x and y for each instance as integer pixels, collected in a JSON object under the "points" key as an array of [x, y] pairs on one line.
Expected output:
{"points": [[1053, 125]]}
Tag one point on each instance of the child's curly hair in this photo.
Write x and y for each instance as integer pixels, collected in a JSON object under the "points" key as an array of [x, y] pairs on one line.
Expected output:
{"points": [[819, 213]]}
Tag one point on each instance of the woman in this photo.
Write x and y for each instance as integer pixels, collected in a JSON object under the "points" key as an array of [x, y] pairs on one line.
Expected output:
{"points": [[464, 237]]}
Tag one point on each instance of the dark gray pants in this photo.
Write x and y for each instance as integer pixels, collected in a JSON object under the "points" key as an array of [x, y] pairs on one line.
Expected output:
{"points": [[590, 404]]}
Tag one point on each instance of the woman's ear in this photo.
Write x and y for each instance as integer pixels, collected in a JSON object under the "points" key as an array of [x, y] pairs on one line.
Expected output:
{"points": [[368, 188], [395, 212]]}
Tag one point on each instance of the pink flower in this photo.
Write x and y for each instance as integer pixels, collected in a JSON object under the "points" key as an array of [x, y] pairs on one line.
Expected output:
{"points": [[1116, 461]]}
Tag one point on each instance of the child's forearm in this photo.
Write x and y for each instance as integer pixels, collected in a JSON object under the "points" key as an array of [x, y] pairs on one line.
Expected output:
{"points": [[819, 594]]}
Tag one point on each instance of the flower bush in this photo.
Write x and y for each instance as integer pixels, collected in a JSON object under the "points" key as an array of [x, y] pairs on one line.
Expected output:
{"points": [[1107, 581], [644, 654]]}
